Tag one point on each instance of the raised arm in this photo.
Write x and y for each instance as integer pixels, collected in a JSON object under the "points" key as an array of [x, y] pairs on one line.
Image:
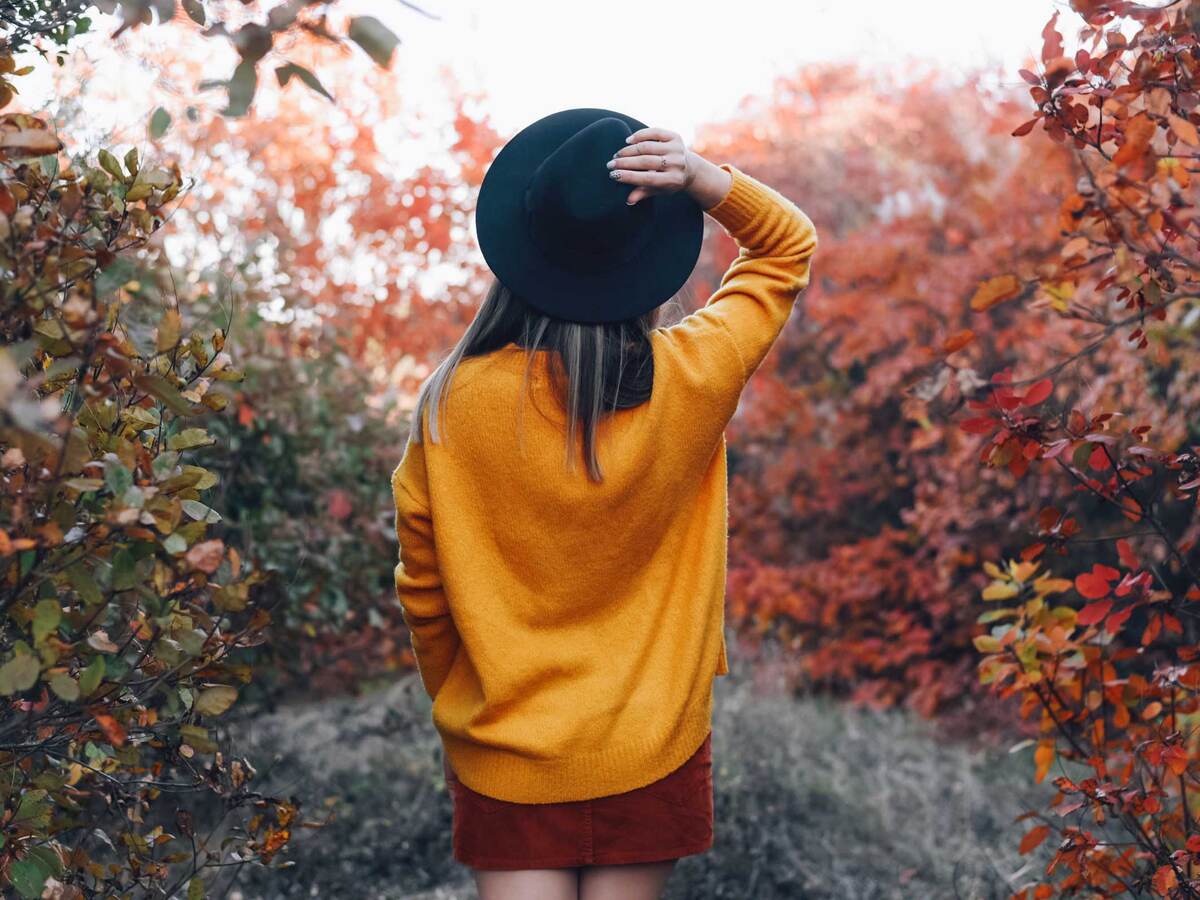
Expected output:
{"points": [[728, 338]]}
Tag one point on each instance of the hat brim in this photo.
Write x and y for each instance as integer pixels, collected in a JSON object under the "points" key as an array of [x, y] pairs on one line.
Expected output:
{"points": [[645, 281]]}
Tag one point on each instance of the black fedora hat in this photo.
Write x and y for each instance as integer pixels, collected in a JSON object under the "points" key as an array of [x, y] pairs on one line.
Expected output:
{"points": [[556, 230]]}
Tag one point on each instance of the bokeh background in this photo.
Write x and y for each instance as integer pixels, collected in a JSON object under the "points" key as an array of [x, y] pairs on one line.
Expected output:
{"points": [[236, 236]]}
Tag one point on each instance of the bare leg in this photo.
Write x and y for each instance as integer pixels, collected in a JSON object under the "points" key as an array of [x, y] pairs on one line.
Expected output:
{"points": [[527, 884], [635, 881]]}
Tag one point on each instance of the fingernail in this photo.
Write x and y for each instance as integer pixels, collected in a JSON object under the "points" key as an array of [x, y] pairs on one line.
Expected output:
{"points": [[628, 139], [611, 163], [614, 174]]}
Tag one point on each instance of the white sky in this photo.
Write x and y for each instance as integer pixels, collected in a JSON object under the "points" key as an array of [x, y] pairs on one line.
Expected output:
{"points": [[674, 63], [678, 63]]}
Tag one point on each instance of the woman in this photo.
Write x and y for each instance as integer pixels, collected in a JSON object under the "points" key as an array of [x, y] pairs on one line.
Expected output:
{"points": [[567, 619]]}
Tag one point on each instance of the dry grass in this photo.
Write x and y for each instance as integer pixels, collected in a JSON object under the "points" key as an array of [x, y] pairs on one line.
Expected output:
{"points": [[813, 800]]}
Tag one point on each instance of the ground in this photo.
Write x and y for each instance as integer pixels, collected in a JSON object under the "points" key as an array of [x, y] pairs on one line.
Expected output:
{"points": [[813, 800]]}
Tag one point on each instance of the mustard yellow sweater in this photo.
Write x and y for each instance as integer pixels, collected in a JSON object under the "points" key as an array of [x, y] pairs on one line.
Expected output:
{"points": [[568, 631]]}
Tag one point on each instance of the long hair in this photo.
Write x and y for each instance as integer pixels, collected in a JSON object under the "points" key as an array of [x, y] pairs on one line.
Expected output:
{"points": [[596, 369]]}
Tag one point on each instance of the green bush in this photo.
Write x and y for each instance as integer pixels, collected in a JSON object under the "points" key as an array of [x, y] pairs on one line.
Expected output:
{"points": [[126, 612]]}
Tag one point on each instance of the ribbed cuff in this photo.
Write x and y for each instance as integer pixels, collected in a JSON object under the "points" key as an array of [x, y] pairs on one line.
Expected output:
{"points": [[741, 202]]}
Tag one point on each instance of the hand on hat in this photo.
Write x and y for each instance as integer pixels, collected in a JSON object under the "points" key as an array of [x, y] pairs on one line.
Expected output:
{"points": [[656, 161]]}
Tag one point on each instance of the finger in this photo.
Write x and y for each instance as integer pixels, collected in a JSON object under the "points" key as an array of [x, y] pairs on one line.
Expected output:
{"points": [[651, 134], [652, 179], [641, 148], [648, 162]]}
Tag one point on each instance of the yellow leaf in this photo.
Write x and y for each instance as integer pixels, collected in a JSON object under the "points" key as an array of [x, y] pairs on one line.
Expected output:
{"points": [[1024, 571], [215, 700], [168, 330], [1059, 293], [1001, 590], [985, 643]]}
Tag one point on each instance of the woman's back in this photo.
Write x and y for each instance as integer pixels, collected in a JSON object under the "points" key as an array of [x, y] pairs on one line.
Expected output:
{"points": [[569, 630]]}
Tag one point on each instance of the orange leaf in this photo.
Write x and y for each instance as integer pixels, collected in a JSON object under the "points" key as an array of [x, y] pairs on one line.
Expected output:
{"points": [[958, 340], [112, 729], [1165, 880], [1033, 838], [1043, 757], [995, 290], [1138, 132], [1184, 129]]}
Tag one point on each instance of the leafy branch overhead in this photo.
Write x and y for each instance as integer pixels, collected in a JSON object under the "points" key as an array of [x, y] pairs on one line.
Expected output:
{"points": [[256, 39]]}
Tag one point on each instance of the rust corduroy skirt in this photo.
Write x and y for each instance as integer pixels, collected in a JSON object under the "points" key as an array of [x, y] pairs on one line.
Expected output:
{"points": [[666, 819]]}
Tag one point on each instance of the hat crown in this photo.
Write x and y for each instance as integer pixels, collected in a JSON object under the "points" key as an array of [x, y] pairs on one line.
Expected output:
{"points": [[575, 212], [555, 229]]}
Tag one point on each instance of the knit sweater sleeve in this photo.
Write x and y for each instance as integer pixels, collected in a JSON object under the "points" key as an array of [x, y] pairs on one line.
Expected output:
{"points": [[724, 342], [419, 588]]}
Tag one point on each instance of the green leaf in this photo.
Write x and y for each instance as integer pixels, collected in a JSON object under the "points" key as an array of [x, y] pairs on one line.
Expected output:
{"points": [[46, 616], [122, 570], [285, 73], [116, 476], [196, 889], [109, 164], [89, 678], [242, 87], [159, 387], [115, 274], [85, 585], [65, 687], [19, 673], [160, 121], [29, 877], [374, 37], [195, 11]]}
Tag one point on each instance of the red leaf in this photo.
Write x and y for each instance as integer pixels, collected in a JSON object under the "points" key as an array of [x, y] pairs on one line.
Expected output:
{"points": [[1092, 586], [1128, 558], [979, 425], [1030, 77], [1094, 612], [1022, 130], [1052, 45], [1117, 619], [1038, 392]]}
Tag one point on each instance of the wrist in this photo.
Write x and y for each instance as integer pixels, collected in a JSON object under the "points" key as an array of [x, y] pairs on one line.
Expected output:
{"points": [[708, 183]]}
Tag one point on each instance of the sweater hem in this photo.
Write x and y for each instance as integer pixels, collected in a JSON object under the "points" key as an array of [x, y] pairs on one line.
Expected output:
{"points": [[516, 778]]}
